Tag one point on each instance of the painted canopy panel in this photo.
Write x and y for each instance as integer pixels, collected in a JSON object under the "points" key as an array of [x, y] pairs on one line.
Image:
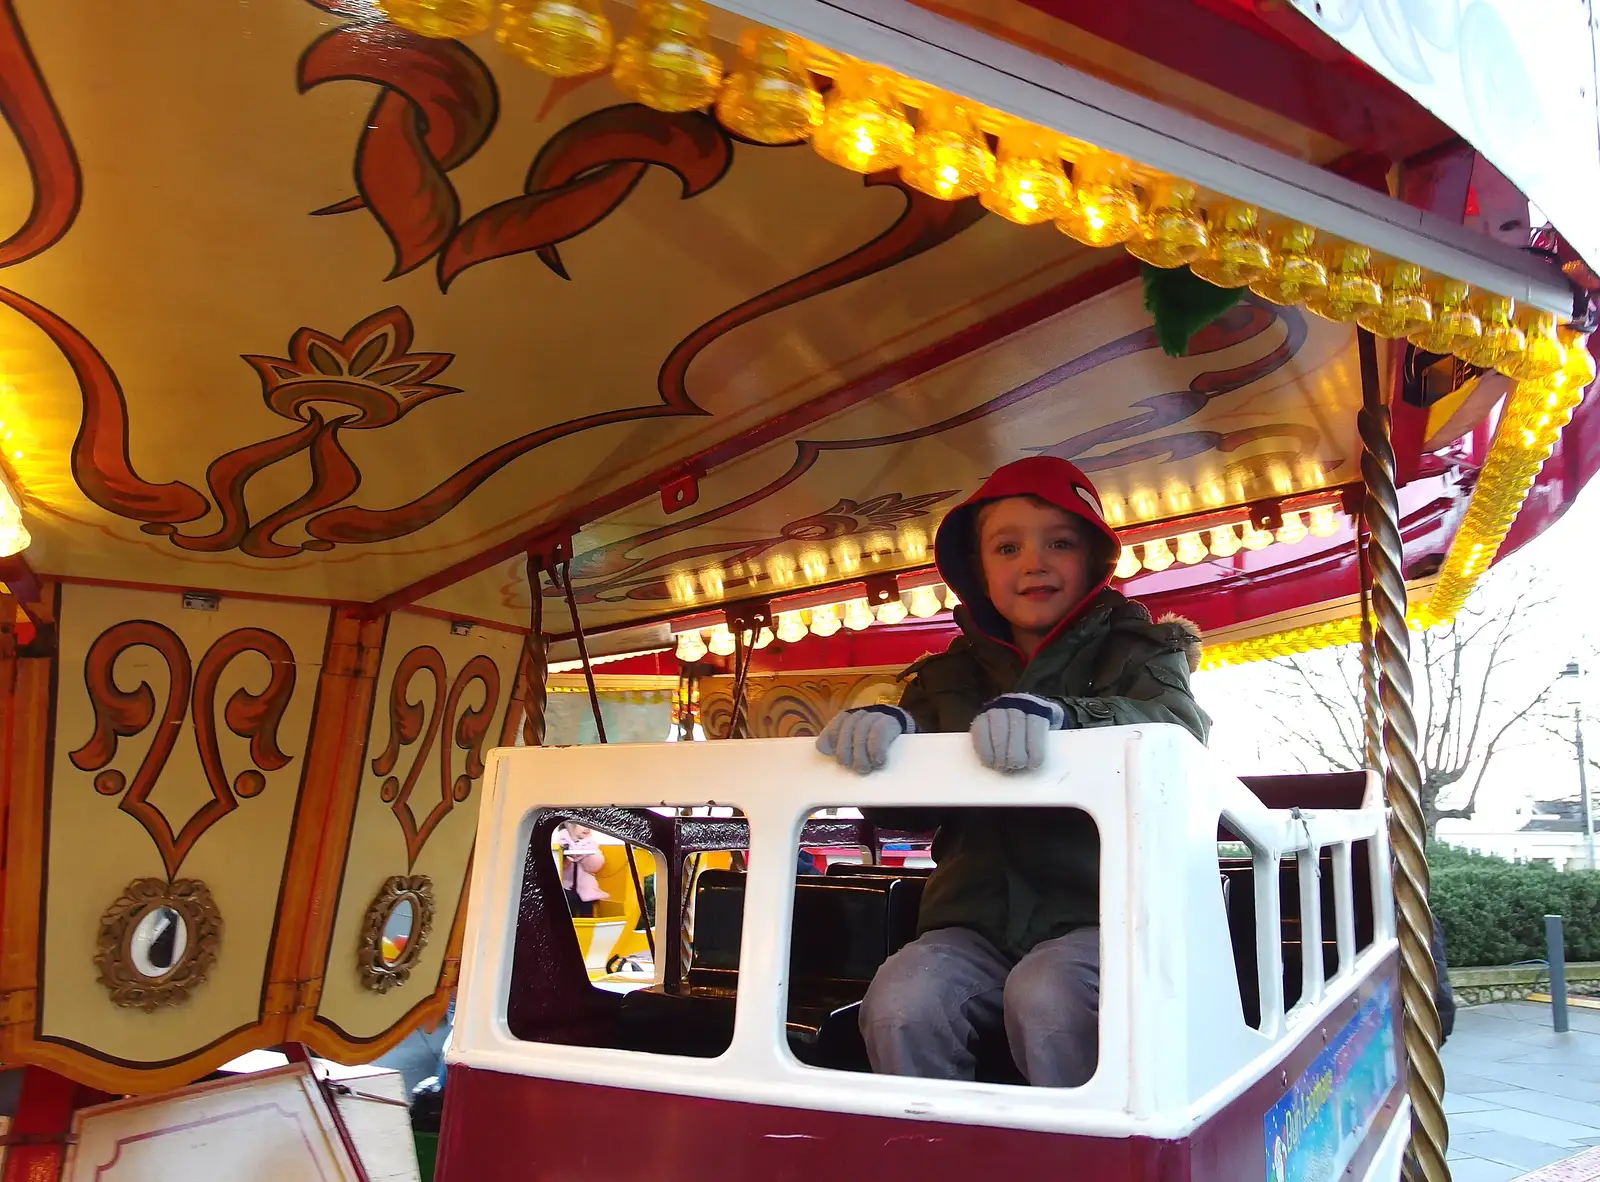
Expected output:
{"points": [[307, 306], [282, 390], [1264, 406]]}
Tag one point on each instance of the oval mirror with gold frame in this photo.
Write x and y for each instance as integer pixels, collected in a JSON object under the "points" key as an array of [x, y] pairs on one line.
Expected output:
{"points": [[395, 931], [157, 942]]}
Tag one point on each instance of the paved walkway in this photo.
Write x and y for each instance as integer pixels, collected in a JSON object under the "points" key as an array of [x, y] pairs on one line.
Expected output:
{"points": [[1520, 1096]]}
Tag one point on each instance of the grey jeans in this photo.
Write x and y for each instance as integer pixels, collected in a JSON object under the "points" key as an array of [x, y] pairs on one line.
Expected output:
{"points": [[930, 1003]]}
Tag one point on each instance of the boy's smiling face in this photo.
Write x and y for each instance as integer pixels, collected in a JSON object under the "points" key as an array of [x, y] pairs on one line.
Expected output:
{"points": [[1038, 563]]}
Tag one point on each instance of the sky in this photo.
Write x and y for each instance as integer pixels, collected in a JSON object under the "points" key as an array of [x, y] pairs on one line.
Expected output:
{"points": [[1562, 564]]}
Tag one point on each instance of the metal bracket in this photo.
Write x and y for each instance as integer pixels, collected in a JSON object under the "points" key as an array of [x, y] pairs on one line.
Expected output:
{"points": [[750, 615], [1267, 515], [549, 551], [679, 491], [881, 589]]}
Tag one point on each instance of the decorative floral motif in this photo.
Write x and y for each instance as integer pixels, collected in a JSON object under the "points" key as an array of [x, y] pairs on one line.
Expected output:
{"points": [[121, 714], [370, 370], [410, 721]]}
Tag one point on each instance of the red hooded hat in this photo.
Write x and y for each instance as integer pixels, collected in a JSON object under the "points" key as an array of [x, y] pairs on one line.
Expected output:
{"points": [[1047, 478]]}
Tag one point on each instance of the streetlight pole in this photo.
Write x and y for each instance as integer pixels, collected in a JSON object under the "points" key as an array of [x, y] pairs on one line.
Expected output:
{"points": [[1574, 673]]}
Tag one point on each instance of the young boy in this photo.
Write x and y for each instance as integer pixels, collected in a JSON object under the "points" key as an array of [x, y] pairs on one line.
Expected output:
{"points": [[1008, 934]]}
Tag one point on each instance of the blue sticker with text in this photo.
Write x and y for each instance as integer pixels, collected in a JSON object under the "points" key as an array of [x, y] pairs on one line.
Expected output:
{"points": [[1314, 1130]]}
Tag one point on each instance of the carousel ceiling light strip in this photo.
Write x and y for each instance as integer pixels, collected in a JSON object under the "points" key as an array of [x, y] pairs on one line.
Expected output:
{"points": [[14, 535], [1530, 426], [792, 625], [667, 62], [576, 666]]}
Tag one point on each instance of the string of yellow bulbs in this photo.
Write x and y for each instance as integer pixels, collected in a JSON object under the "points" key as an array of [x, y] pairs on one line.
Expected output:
{"points": [[667, 61]]}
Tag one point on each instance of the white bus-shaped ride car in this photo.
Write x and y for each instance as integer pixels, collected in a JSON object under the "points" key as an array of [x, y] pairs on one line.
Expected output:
{"points": [[1226, 1051]]}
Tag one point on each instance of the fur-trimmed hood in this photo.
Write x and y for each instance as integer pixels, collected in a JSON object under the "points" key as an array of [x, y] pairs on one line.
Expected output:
{"points": [[1191, 638]]}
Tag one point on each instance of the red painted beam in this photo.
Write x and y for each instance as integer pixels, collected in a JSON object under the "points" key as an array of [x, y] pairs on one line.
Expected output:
{"points": [[1288, 67]]}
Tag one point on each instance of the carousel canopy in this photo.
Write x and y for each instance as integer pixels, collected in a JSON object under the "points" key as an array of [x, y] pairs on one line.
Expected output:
{"points": [[305, 304]]}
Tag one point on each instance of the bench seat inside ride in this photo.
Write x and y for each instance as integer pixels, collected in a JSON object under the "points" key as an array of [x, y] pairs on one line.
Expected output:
{"points": [[1214, 892]]}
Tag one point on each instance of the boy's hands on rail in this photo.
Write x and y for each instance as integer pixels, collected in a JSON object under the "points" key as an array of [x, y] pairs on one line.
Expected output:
{"points": [[859, 739], [1010, 731]]}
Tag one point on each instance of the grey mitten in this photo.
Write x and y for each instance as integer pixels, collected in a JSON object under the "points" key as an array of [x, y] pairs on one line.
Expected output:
{"points": [[1010, 731], [859, 739]]}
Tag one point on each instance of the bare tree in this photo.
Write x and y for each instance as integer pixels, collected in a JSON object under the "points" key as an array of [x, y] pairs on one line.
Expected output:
{"points": [[1477, 696]]}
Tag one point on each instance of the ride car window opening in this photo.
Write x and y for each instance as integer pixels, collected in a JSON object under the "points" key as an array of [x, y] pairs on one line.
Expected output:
{"points": [[1014, 898], [602, 944]]}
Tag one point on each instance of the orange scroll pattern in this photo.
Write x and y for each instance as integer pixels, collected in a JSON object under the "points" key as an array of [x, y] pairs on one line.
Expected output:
{"points": [[412, 723], [120, 714]]}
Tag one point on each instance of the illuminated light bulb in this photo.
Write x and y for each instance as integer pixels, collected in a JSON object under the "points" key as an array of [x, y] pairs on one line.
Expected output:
{"points": [[690, 647], [1238, 257], [1173, 233], [1578, 373], [1029, 185], [1255, 538], [771, 97], [666, 62], [1405, 308], [824, 621], [1298, 273], [1293, 529], [951, 599], [815, 565], [914, 544], [781, 569], [1156, 555], [791, 627], [891, 611], [857, 615], [1544, 356], [952, 159], [763, 638], [1127, 564], [925, 602], [864, 128], [1455, 325], [1324, 524], [1224, 542], [1501, 342], [721, 641], [1104, 210], [563, 38], [711, 582], [1352, 289], [1191, 549], [439, 18], [14, 535], [848, 557]]}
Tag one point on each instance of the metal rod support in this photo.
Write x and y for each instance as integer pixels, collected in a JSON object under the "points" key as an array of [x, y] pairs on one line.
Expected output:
{"points": [[1402, 782]]}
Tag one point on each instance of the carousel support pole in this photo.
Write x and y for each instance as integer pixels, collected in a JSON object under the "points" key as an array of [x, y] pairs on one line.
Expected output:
{"points": [[1402, 783], [1371, 702], [536, 663]]}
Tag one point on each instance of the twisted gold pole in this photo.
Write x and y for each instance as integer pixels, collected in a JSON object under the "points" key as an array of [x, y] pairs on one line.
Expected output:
{"points": [[1371, 703], [1430, 1133], [536, 663]]}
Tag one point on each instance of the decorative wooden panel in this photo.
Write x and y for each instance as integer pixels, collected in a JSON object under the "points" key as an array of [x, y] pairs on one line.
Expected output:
{"points": [[179, 743], [784, 707], [441, 703]]}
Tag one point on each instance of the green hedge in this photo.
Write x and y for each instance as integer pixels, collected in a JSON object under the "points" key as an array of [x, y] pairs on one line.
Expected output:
{"points": [[1493, 911]]}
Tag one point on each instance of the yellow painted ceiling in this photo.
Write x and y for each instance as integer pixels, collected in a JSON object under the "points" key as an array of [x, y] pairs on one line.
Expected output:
{"points": [[305, 306]]}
